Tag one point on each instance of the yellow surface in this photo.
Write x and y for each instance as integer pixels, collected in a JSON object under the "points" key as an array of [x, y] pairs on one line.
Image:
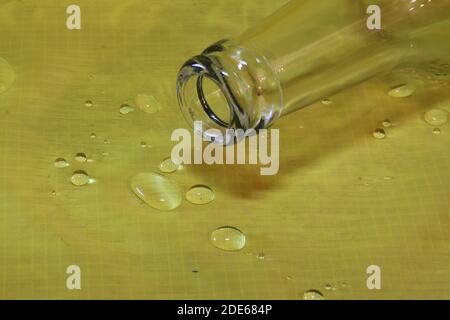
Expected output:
{"points": [[327, 216]]}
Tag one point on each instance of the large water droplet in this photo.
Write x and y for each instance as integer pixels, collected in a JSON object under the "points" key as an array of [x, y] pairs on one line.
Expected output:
{"points": [[157, 191], [200, 194], [313, 295], [7, 75], [168, 166], [61, 163], [80, 178], [436, 117], [147, 103], [401, 91], [228, 239]]}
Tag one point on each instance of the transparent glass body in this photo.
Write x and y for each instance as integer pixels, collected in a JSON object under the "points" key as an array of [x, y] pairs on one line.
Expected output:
{"points": [[293, 59]]}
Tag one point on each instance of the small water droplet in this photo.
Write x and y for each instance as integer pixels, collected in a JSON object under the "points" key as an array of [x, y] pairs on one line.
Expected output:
{"points": [[168, 166], [105, 154], [80, 178], [7, 75], [106, 141], [379, 133], [93, 136], [88, 103], [126, 109], [328, 287], [261, 256], [401, 91], [387, 123], [61, 163], [228, 239], [327, 102], [200, 194], [157, 191], [147, 103], [344, 285], [436, 117], [437, 131], [80, 157], [143, 144], [313, 295]]}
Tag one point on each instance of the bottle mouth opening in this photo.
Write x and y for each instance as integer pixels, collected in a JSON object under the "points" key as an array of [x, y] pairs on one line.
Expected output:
{"points": [[213, 101], [221, 92], [205, 97]]}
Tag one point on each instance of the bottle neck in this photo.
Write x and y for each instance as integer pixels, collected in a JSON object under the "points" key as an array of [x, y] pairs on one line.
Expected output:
{"points": [[232, 87]]}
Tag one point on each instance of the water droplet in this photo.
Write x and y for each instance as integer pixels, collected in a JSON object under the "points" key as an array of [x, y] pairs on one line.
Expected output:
{"points": [[327, 102], [437, 131], [228, 239], [143, 144], [401, 91], [168, 166], [7, 75], [157, 191], [200, 194], [126, 109], [379, 133], [344, 285], [93, 136], [88, 103], [387, 123], [436, 117], [328, 287], [80, 157], [147, 103], [313, 295], [105, 154], [61, 163], [80, 178], [261, 256], [106, 141]]}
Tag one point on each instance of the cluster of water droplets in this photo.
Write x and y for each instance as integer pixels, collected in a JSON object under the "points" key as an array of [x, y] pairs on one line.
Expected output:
{"points": [[78, 178]]}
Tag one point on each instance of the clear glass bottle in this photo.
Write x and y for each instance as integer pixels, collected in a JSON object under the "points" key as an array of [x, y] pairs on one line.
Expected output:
{"points": [[305, 52]]}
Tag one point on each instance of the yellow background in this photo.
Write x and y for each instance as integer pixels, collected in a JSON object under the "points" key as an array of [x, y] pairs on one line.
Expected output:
{"points": [[329, 214]]}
